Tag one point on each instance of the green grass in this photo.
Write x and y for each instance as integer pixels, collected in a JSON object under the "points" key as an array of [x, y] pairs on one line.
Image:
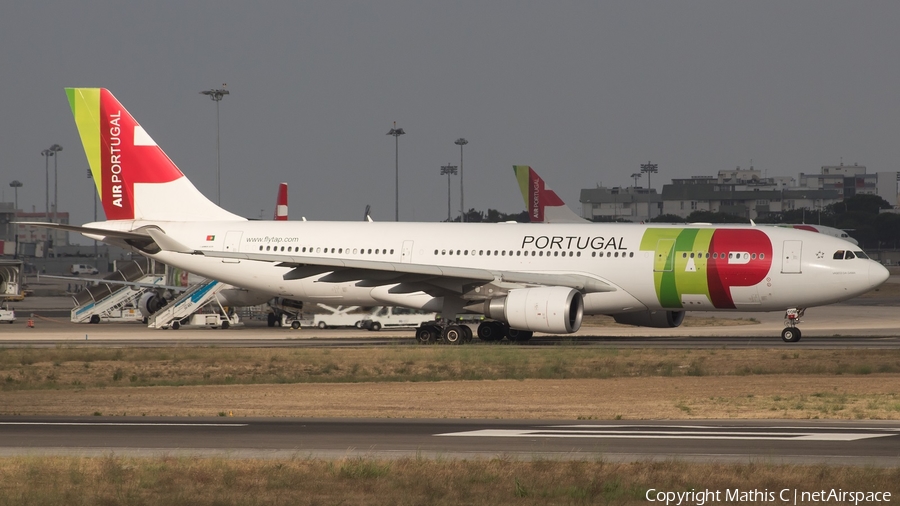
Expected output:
{"points": [[407, 481], [80, 368]]}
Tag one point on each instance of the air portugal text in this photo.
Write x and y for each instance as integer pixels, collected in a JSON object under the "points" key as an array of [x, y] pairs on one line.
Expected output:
{"points": [[115, 158], [542, 242]]}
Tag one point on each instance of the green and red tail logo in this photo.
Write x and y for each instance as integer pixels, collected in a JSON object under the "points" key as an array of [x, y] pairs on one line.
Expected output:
{"points": [[699, 262], [119, 151], [536, 194]]}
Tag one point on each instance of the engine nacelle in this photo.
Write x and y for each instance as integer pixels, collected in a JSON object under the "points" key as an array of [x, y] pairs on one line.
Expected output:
{"points": [[655, 319], [151, 302], [551, 309]]}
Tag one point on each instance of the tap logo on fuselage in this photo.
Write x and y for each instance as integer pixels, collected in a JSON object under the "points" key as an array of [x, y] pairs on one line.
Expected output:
{"points": [[699, 262]]}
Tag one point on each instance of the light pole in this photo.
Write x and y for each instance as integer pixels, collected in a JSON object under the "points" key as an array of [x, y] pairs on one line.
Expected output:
{"points": [[56, 148], [396, 132], [16, 184], [636, 176], [217, 96], [462, 208], [47, 154], [649, 168], [450, 170]]}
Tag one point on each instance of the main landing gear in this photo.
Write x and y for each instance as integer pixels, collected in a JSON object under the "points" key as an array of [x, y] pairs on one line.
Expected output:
{"points": [[791, 334], [462, 334], [450, 334]]}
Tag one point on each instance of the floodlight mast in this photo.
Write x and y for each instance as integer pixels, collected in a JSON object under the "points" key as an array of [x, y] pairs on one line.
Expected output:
{"points": [[462, 207], [649, 168], [396, 132], [217, 95], [56, 148], [449, 170]]}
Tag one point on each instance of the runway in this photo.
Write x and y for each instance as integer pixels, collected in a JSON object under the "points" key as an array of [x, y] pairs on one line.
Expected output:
{"points": [[782, 441]]}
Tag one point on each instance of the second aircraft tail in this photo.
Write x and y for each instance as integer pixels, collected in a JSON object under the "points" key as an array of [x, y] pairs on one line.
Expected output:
{"points": [[542, 203]]}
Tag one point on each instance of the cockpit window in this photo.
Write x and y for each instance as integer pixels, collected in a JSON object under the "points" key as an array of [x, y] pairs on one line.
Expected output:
{"points": [[860, 254], [849, 255], [839, 254]]}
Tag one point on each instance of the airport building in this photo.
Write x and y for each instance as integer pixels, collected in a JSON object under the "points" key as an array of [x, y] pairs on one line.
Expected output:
{"points": [[745, 193], [31, 241], [634, 204]]}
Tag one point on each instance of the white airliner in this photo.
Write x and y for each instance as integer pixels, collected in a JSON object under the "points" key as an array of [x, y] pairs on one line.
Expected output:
{"points": [[525, 277]]}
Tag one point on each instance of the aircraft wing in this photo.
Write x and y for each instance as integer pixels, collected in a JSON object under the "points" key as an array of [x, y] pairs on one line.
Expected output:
{"points": [[428, 278], [120, 282], [119, 234]]}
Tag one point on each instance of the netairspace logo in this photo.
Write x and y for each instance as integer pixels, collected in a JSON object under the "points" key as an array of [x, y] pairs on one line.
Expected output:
{"points": [[783, 496]]}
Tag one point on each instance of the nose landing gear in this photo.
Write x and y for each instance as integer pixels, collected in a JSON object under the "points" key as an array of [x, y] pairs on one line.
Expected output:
{"points": [[791, 334]]}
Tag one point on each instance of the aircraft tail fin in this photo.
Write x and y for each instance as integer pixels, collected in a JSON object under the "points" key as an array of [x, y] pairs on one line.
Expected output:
{"points": [[542, 203], [281, 203], [135, 179]]}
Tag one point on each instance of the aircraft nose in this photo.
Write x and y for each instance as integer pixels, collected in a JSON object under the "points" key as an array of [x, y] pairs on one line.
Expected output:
{"points": [[878, 274]]}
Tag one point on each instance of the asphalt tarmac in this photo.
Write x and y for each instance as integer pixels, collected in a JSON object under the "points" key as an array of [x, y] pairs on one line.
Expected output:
{"points": [[776, 442], [835, 326]]}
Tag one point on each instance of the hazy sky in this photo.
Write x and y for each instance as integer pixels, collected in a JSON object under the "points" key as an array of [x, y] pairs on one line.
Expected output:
{"points": [[583, 91]]}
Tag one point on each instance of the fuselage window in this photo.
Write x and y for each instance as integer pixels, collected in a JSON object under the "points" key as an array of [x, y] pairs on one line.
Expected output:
{"points": [[692, 255], [762, 256], [631, 254], [684, 255], [480, 252], [578, 254], [503, 253], [260, 248], [617, 254], [267, 248], [540, 253], [608, 254], [495, 252], [730, 255], [518, 253], [753, 256], [593, 253]]}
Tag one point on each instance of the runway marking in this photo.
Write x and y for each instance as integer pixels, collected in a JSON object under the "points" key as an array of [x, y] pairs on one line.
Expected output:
{"points": [[126, 424], [711, 433]]}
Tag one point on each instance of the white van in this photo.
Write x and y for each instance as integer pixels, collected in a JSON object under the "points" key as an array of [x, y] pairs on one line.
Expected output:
{"points": [[397, 317], [76, 269], [7, 315]]}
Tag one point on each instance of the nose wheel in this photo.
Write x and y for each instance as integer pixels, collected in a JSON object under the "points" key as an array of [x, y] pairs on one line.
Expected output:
{"points": [[791, 334]]}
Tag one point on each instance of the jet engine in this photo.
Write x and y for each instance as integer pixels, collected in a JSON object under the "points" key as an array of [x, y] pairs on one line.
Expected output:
{"points": [[551, 309], [655, 319], [151, 302]]}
